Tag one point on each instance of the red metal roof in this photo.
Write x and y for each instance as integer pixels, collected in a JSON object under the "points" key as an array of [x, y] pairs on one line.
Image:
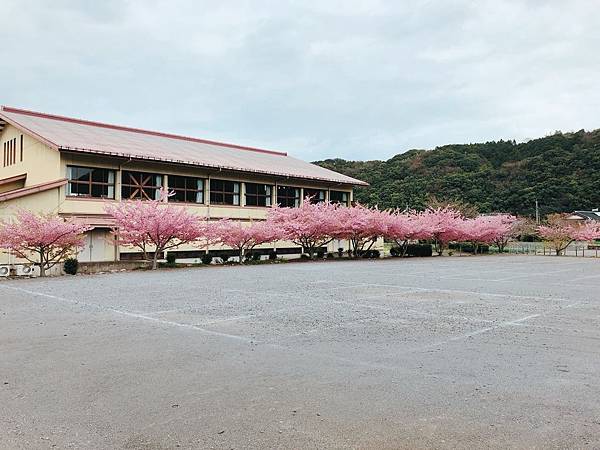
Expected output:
{"points": [[65, 133]]}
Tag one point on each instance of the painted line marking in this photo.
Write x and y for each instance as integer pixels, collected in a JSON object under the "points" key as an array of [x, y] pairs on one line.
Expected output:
{"points": [[132, 314], [449, 291]]}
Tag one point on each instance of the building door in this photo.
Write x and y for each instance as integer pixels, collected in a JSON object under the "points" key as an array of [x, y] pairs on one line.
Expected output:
{"points": [[96, 246]]}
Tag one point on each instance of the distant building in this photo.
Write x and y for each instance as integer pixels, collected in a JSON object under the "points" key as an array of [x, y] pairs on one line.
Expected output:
{"points": [[594, 214], [74, 168]]}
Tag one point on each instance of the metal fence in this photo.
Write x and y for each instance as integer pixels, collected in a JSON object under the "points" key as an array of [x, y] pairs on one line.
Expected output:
{"points": [[543, 249]]}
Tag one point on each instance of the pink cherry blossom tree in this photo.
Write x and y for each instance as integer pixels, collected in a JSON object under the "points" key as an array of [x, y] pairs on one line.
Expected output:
{"points": [[443, 225], [558, 237], [42, 239], [588, 231], [561, 233], [156, 225], [310, 226], [406, 226], [361, 226], [505, 227], [496, 229], [243, 237]]}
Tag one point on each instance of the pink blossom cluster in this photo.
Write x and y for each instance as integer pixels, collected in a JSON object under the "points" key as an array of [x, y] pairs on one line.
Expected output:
{"points": [[158, 226], [560, 233], [41, 238]]}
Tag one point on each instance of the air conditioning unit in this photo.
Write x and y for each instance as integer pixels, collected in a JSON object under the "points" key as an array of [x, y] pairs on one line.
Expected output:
{"points": [[27, 270], [4, 271]]}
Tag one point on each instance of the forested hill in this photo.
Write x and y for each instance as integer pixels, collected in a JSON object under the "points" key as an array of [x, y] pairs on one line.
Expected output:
{"points": [[562, 171]]}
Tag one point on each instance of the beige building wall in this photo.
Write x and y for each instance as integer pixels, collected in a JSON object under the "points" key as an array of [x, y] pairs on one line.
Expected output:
{"points": [[40, 162]]}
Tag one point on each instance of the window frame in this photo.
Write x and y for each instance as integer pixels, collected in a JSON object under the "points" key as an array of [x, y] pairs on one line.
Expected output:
{"points": [[90, 183], [187, 191], [340, 202], [268, 198], [141, 187], [224, 192], [296, 199], [312, 200]]}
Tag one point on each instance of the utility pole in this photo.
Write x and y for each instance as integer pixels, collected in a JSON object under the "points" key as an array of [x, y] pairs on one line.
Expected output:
{"points": [[537, 212]]}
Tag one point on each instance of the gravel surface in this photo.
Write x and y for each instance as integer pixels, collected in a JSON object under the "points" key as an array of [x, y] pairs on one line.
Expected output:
{"points": [[452, 352]]}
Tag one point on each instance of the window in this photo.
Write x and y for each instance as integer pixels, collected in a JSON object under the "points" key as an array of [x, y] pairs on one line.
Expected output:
{"points": [[288, 197], [21, 148], [224, 192], [258, 194], [186, 189], [90, 182], [339, 197], [140, 185], [316, 195]]}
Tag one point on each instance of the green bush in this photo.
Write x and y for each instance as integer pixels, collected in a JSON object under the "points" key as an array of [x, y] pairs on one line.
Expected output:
{"points": [[330, 255], [71, 266], [340, 252], [320, 253], [371, 254], [304, 256], [207, 258], [419, 250], [272, 255], [467, 247], [171, 259], [395, 251]]}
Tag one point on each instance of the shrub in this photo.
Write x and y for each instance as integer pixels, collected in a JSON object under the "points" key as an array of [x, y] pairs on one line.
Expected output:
{"points": [[304, 256], [320, 253], [340, 252], [371, 254], [467, 247], [171, 259], [207, 258], [330, 255], [272, 255], [71, 266], [255, 256], [419, 250], [395, 251]]}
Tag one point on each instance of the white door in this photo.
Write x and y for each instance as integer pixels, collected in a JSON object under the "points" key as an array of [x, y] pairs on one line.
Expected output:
{"points": [[95, 246]]}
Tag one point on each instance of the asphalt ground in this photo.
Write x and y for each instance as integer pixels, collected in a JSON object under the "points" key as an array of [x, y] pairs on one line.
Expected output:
{"points": [[443, 352]]}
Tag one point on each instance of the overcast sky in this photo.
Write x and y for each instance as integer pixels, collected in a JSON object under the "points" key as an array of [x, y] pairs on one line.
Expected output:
{"points": [[319, 79]]}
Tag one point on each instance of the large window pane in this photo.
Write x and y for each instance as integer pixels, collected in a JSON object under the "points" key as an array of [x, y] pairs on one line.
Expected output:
{"points": [[186, 189], [316, 195], [258, 194], [340, 197], [223, 192], [90, 182], [288, 196]]}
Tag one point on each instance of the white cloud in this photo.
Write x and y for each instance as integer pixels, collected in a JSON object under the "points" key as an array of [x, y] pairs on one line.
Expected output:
{"points": [[357, 79]]}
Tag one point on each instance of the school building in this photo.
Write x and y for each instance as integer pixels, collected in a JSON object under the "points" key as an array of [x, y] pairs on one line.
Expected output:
{"points": [[74, 167]]}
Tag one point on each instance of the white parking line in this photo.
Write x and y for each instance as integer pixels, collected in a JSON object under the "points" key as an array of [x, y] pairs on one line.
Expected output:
{"points": [[449, 291], [131, 314], [480, 331]]}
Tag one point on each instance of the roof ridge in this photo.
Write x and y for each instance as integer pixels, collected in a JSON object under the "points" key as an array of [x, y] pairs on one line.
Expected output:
{"points": [[27, 112]]}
